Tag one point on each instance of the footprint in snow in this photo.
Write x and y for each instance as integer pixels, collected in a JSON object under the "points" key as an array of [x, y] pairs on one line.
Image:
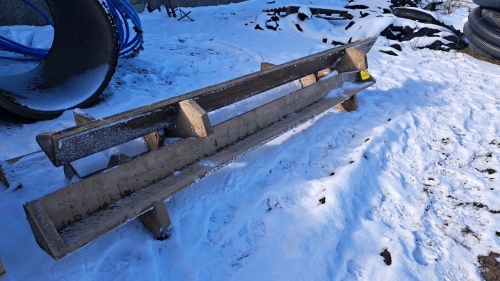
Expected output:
{"points": [[221, 217]]}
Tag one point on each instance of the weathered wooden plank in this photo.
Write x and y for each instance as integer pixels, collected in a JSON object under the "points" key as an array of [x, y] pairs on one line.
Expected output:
{"points": [[316, 11], [77, 142], [87, 209]]}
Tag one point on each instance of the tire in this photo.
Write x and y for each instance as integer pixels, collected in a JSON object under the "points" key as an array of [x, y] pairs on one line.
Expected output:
{"points": [[481, 44], [482, 28], [413, 14], [492, 17], [495, 4]]}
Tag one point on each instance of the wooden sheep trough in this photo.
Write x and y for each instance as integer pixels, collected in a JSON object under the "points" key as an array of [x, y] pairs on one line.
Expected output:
{"points": [[74, 216]]}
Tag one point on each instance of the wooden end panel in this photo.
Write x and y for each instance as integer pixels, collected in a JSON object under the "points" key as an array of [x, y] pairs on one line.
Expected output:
{"points": [[45, 233]]}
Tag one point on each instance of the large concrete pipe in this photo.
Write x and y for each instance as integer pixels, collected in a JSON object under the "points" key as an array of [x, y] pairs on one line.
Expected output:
{"points": [[77, 69]]}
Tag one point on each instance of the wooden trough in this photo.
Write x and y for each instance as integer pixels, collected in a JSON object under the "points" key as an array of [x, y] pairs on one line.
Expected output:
{"points": [[72, 217]]}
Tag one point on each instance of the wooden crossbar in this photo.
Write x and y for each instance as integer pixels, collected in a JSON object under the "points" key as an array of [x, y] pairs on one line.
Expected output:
{"points": [[317, 11], [72, 217], [77, 142]]}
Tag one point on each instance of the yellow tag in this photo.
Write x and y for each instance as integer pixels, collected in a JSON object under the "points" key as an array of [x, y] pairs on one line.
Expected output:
{"points": [[364, 75]]}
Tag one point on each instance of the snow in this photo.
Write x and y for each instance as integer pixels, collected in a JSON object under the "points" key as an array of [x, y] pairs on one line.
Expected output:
{"points": [[74, 91], [409, 171]]}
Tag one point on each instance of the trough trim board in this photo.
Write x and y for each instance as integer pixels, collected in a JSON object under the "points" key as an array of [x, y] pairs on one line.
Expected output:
{"points": [[77, 142]]}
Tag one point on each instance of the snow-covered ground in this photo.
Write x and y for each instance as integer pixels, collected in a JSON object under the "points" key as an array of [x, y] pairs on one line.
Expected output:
{"points": [[414, 171]]}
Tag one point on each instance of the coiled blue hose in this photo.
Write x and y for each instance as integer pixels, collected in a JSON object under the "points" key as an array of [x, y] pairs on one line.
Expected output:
{"points": [[122, 11]]}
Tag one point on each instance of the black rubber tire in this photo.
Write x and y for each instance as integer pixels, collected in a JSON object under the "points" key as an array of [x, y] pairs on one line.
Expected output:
{"points": [[495, 4], [78, 67], [413, 14], [482, 28], [492, 17], [478, 42]]}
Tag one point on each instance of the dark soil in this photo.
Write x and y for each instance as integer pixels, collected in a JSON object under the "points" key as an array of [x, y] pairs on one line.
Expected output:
{"points": [[479, 57], [387, 257], [490, 267]]}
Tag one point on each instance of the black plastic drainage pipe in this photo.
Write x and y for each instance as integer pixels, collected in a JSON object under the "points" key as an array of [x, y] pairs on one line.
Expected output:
{"points": [[78, 67]]}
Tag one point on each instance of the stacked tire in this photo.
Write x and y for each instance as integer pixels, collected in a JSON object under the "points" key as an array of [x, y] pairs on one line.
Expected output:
{"points": [[483, 28]]}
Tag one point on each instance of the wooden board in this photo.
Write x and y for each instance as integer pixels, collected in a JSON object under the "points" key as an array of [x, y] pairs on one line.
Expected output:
{"points": [[78, 214], [77, 142]]}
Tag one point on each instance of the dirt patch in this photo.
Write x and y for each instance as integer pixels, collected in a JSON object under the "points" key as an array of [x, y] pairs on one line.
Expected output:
{"points": [[469, 52], [387, 257], [490, 266]]}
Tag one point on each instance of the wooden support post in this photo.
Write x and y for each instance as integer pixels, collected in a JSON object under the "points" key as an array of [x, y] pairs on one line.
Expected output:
{"points": [[323, 73], [156, 220], [155, 140], [2, 269], [349, 105], [118, 159], [353, 60], [265, 65], [82, 117], [192, 121]]}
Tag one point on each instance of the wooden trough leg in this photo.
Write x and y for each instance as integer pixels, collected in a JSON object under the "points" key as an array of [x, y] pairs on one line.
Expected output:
{"points": [[157, 220], [2, 269], [349, 105], [192, 121]]}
